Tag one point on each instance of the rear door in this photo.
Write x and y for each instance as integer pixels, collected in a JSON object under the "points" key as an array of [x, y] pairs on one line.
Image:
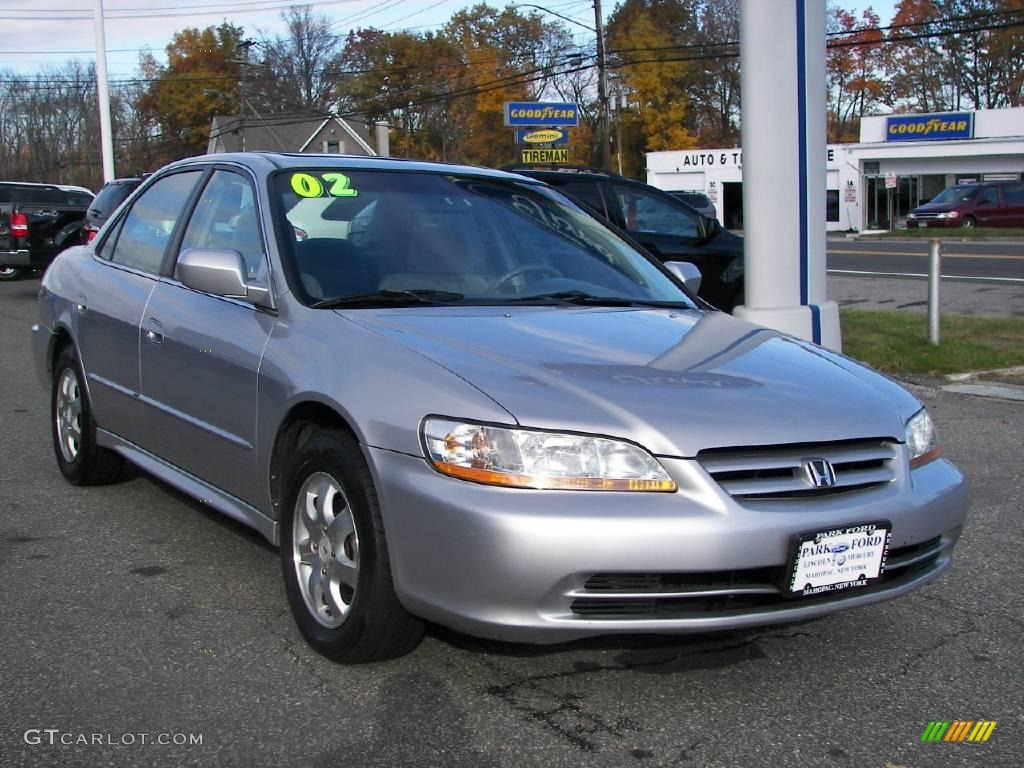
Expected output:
{"points": [[201, 353], [588, 193], [1013, 204], [114, 290]]}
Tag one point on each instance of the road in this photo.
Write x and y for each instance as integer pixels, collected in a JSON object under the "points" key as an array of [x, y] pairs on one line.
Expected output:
{"points": [[983, 261], [131, 609]]}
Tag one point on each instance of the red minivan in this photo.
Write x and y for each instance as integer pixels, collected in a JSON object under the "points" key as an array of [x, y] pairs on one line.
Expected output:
{"points": [[990, 204]]}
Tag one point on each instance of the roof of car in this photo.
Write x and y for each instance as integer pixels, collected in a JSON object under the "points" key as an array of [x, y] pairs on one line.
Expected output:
{"points": [[303, 160]]}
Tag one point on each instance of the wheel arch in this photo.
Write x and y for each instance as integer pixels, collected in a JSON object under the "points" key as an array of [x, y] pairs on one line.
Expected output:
{"points": [[290, 433]]}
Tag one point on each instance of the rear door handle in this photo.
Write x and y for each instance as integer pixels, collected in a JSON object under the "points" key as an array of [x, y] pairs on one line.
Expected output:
{"points": [[154, 331]]}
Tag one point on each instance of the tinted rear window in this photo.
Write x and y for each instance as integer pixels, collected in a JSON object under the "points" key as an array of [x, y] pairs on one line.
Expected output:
{"points": [[110, 197]]}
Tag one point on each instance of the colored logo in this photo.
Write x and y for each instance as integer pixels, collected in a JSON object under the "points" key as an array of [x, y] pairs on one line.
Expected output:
{"points": [[949, 125], [541, 113], [958, 730], [530, 156], [541, 136]]}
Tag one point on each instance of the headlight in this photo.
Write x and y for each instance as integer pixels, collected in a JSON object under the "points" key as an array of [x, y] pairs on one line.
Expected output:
{"points": [[921, 439], [948, 215], [911, 216], [526, 458]]}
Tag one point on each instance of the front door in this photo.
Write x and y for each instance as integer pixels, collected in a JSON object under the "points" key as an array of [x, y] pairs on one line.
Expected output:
{"points": [[201, 353]]}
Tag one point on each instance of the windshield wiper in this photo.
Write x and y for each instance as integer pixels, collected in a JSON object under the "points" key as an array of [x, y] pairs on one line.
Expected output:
{"points": [[587, 299], [387, 297]]}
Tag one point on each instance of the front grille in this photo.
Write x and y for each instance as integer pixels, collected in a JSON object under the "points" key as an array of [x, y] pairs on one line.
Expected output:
{"points": [[776, 472], [926, 216], [724, 593]]}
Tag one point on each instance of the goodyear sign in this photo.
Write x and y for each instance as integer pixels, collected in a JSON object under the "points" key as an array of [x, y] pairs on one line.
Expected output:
{"points": [[541, 113], [530, 156], [550, 136], [948, 125]]}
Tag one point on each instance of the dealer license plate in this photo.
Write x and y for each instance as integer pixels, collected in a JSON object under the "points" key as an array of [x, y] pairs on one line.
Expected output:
{"points": [[850, 557]]}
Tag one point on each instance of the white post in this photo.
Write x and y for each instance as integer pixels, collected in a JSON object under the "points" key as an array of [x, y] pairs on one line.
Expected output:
{"points": [[782, 51], [106, 136], [934, 280]]}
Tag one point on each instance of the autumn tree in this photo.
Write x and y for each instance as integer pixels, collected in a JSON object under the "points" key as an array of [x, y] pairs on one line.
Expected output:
{"points": [[200, 80], [646, 38]]}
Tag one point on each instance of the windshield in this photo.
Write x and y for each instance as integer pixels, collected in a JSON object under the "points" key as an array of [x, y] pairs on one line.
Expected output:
{"points": [[394, 236], [963, 194]]}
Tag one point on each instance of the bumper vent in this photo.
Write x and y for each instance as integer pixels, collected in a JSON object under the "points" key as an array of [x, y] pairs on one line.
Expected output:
{"points": [[722, 593], [777, 472]]}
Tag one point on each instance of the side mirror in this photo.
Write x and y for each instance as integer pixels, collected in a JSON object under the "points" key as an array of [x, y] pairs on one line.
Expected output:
{"points": [[220, 271], [687, 273], [713, 227]]}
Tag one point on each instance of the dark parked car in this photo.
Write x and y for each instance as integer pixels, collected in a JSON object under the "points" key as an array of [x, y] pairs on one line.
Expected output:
{"points": [[992, 204], [668, 228], [698, 201], [38, 221], [107, 201]]}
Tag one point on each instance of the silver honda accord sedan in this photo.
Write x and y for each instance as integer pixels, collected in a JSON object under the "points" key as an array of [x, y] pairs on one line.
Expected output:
{"points": [[450, 395]]}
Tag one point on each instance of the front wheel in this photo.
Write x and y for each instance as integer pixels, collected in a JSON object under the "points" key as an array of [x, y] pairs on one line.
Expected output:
{"points": [[9, 273], [334, 556], [969, 222]]}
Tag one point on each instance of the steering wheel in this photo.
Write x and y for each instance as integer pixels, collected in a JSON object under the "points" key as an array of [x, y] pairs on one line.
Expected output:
{"points": [[525, 269]]}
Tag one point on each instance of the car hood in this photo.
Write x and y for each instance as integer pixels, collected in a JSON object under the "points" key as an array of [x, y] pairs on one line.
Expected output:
{"points": [[676, 382], [937, 207]]}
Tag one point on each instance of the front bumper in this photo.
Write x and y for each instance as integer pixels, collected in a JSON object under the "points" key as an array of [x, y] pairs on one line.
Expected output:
{"points": [[934, 223], [513, 564]]}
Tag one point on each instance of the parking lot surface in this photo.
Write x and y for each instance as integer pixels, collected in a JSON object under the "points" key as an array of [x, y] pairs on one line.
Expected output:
{"points": [[131, 609]]}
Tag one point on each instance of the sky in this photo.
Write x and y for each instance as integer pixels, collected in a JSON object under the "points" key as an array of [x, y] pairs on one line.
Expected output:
{"points": [[41, 32]]}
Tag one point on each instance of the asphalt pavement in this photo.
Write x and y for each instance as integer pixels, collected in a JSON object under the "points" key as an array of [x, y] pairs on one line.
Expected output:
{"points": [[966, 260], [131, 609]]}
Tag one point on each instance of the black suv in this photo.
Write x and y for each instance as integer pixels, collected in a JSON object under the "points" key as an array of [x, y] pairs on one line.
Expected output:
{"points": [[668, 228]]}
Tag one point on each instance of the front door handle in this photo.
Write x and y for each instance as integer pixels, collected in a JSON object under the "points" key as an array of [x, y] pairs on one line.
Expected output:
{"points": [[154, 331]]}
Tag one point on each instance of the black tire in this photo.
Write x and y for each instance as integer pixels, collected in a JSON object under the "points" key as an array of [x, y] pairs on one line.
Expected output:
{"points": [[10, 273], [969, 222], [90, 464], [376, 626]]}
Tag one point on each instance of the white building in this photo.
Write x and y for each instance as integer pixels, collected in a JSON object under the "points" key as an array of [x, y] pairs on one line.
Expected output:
{"points": [[900, 162]]}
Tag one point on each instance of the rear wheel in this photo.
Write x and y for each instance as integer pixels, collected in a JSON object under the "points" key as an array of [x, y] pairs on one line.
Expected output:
{"points": [[9, 273], [334, 556], [81, 460], [969, 222]]}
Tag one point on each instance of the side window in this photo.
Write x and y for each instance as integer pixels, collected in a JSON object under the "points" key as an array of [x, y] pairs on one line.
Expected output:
{"points": [[585, 193], [1013, 194], [147, 228], [989, 197], [225, 217], [646, 212]]}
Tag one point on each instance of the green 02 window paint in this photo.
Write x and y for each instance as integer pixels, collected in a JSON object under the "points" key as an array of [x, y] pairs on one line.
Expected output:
{"points": [[307, 185]]}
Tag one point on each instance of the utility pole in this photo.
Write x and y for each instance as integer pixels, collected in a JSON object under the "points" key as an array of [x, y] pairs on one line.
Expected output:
{"points": [[106, 135], [602, 88]]}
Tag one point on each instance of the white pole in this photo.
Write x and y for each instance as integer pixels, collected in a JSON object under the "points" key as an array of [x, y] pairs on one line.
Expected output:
{"points": [[934, 278], [106, 136], [782, 51]]}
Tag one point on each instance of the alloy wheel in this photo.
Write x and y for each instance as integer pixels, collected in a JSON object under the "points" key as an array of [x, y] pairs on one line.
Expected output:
{"points": [[325, 549], [68, 414]]}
